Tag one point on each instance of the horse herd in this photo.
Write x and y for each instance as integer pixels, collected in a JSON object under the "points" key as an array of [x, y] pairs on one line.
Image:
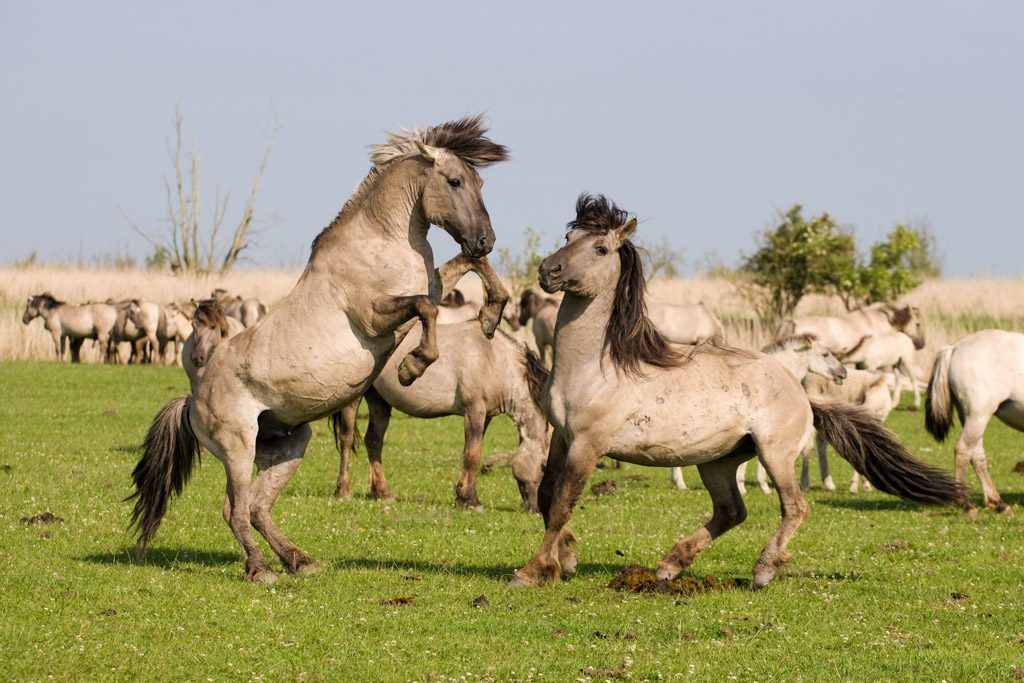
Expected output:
{"points": [[146, 329], [616, 376]]}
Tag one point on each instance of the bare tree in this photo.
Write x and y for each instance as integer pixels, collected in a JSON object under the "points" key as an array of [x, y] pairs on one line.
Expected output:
{"points": [[187, 246]]}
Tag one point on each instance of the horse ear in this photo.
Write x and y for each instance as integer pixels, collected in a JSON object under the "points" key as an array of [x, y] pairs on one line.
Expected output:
{"points": [[626, 231], [426, 151]]}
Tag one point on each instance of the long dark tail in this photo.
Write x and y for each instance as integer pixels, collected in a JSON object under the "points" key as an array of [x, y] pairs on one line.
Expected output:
{"points": [[169, 453], [536, 377], [938, 402], [876, 453]]}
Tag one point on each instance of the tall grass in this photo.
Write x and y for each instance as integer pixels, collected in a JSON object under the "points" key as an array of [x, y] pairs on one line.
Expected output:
{"points": [[950, 308]]}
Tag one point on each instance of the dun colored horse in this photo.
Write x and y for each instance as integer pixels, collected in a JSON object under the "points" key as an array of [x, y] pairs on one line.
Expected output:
{"points": [[475, 377], [70, 323], [370, 277], [617, 388]]}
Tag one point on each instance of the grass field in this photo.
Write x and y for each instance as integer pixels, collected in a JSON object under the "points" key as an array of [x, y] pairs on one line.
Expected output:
{"points": [[877, 589]]}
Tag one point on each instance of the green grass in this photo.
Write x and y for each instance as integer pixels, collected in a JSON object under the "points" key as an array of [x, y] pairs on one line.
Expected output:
{"points": [[877, 589]]}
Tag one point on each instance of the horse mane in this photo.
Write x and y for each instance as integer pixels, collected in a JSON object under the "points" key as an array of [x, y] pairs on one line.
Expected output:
{"points": [[900, 317], [796, 341], [630, 336], [465, 138], [536, 376], [210, 314], [46, 301]]}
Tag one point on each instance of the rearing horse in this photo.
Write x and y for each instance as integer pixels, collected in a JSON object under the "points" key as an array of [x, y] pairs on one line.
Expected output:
{"points": [[370, 276], [617, 388]]}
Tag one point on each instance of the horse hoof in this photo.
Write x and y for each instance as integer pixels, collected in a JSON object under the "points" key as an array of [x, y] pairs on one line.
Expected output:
{"points": [[522, 581], [410, 369], [667, 572], [488, 322], [264, 576], [344, 495], [309, 568], [1003, 509], [763, 576], [971, 511]]}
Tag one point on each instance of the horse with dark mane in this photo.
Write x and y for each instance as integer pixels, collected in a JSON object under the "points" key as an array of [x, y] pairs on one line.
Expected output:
{"points": [[70, 323], [370, 277], [617, 388]]}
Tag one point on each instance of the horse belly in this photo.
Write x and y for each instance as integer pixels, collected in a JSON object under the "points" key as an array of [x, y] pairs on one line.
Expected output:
{"points": [[1011, 413], [674, 439]]}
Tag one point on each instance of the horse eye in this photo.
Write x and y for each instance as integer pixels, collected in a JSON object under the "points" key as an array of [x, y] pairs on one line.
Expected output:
{"points": [[454, 182], [602, 250]]}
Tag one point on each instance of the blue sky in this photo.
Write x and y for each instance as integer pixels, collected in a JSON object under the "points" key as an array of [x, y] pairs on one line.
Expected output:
{"points": [[704, 119]]}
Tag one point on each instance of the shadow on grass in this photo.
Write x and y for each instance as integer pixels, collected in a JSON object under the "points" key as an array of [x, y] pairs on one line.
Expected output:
{"points": [[166, 558], [495, 572], [856, 503]]}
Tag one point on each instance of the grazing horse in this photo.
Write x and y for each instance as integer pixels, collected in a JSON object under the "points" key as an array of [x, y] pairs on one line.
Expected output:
{"points": [[542, 310], [617, 388], [69, 323], [980, 375], [210, 327], [370, 277], [475, 377], [841, 333]]}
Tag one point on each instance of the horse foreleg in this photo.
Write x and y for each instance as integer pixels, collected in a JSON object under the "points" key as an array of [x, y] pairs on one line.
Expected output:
{"points": [[474, 424], [826, 475], [75, 346], [380, 416], [278, 455], [401, 309], [566, 475], [719, 478], [495, 294], [239, 471], [343, 424]]}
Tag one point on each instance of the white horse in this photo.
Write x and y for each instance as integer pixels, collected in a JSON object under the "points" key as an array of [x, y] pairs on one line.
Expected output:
{"points": [[841, 333], [685, 324], [980, 375], [893, 350]]}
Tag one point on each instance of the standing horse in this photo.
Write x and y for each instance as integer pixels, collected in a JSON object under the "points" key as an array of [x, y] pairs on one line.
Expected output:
{"points": [[475, 377], [883, 351], [370, 277], [69, 323], [151, 319], [841, 333], [685, 324], [981, 375], [617, 388]]}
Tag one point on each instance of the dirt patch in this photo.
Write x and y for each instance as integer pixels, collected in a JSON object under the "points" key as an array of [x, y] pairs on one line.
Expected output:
{"points": [[605, 671], [638, 579], [1019, 467], [399, 602], [480, 601], [110, 413], [604, 488], [893, 546], [45, 518]]}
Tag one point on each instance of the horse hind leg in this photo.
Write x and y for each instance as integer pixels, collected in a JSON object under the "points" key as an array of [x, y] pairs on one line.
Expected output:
{"points": [[676, 477], [779, 464], [475, 422], [719, 478], [826, 475], [343, 424], [278, 455], [380, 417], [238, 468], [970, 448]]}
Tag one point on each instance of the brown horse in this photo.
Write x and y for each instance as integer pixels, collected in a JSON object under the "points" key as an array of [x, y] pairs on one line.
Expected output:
{"points": [[475, 377], [617, 388], [370, 277]]}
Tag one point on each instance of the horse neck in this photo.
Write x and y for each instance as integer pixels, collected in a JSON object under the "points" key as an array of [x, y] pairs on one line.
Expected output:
{"points": [[387, 209], [580, 331], [794, 362]]}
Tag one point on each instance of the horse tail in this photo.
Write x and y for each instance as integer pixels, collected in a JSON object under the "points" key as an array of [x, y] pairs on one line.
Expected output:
{"points": [[339, 428], [536, 377], [876, 453], [169, 453], [938, 401]]}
